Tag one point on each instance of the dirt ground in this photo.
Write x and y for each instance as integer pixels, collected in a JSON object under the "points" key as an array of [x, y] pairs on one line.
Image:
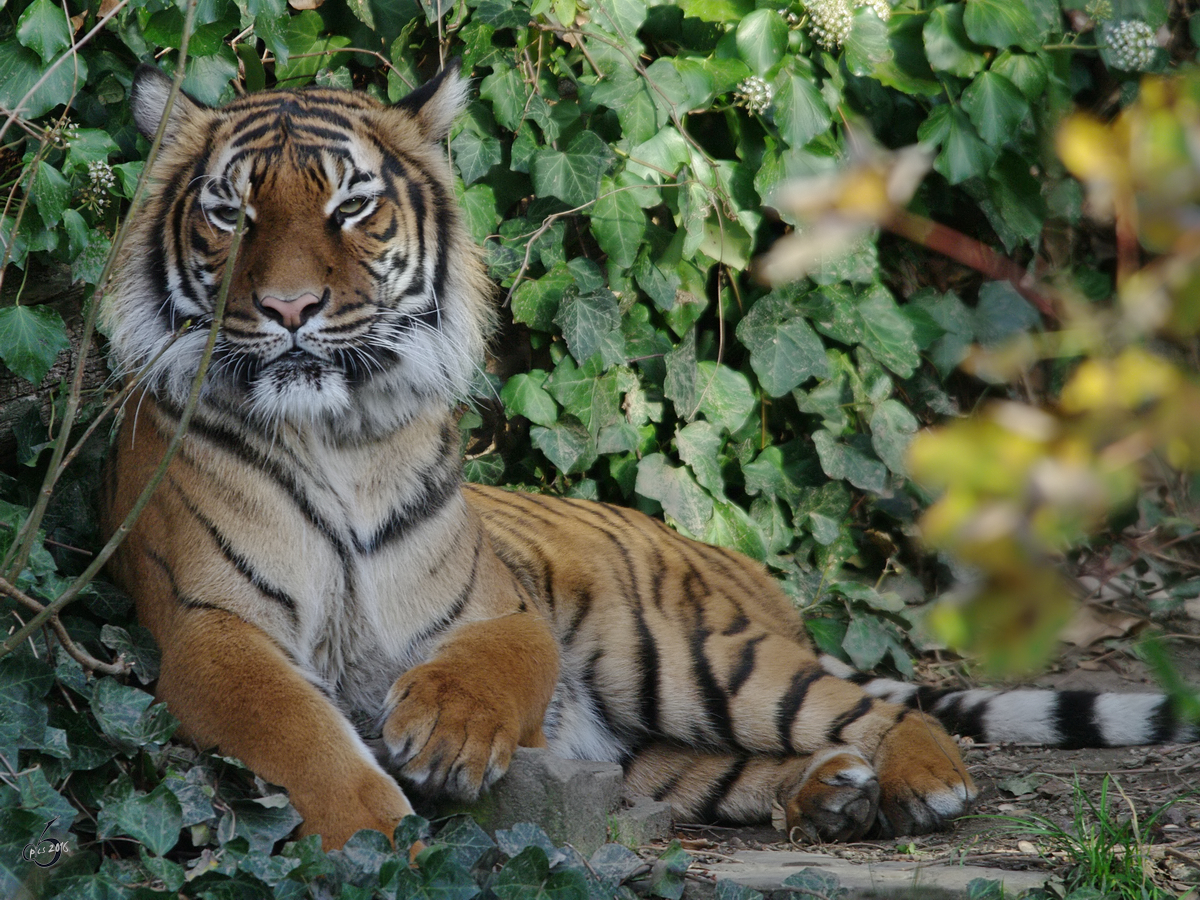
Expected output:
{"points": [[1021, 781]]}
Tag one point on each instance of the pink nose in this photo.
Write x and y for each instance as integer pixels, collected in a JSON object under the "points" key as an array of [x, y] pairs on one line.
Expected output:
{"points": [[291, 314]]}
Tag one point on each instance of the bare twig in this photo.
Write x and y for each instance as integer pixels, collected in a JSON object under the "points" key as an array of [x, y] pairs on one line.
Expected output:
{"points": [[77, 653]]}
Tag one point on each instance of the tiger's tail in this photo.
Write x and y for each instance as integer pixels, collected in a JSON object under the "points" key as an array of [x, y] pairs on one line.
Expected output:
{"points": [[1067, 719]]}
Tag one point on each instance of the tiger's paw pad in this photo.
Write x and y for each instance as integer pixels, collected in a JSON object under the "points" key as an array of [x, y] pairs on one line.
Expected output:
{"points": [[444, 734], [924, 783], [837, 801]]}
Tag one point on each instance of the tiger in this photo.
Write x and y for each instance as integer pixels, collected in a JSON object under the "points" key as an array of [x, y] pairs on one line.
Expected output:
{"points": [[337, 609]]}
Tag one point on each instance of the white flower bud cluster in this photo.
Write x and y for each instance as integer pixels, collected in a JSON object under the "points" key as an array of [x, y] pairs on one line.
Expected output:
{"points": [[1132, 44], [62, 133], [101, 181], [755, 94], [882, 8], [829, 22]]}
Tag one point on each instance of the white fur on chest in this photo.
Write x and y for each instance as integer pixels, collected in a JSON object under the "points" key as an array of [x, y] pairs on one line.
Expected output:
{"points": [[353, 611]]}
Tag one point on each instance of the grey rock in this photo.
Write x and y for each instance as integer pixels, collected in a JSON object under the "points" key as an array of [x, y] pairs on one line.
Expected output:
{"points": [[570, 799], [643, 821]]}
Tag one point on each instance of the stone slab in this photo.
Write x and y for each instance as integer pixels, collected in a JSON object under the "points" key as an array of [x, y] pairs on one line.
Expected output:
{"points": [[765, 870]]}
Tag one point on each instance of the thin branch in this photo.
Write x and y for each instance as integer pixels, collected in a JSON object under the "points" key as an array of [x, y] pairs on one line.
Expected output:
{"points": [[969, 252], [77, 653]]}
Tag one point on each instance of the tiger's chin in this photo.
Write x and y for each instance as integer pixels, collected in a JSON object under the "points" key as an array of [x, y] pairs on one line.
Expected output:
{"points": [[302, 391]]}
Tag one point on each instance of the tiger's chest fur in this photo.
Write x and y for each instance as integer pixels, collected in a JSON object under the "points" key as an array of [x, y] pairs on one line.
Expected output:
{"points": [[349, 556]]}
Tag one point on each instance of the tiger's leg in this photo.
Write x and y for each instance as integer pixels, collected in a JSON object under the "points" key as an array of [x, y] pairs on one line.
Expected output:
{"points": [[232, 687], [451, 724], [767, 693], [828, 796]]}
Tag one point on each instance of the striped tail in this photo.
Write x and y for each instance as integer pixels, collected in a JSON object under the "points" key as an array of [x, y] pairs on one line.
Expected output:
{"points": [[1068, 719]]}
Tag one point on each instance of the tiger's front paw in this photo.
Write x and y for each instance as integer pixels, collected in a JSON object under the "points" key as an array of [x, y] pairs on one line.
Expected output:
{"points": [[446, 733], [837, 800], [923, 782]]}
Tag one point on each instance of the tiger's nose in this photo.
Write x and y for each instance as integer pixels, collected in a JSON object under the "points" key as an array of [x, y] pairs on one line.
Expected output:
{"points": [[293, 313]]}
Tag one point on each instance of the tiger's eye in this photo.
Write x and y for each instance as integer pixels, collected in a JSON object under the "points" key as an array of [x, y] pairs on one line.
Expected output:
{"points": [[351, 205], [224, 215]]}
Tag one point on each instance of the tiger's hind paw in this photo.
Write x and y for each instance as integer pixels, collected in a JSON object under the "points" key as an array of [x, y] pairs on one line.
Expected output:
{"points": [[923, 781], [837, 800]]}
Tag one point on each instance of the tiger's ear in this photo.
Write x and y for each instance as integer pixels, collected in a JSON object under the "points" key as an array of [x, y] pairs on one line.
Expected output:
{"points": [[436, 104], [148, 98]]}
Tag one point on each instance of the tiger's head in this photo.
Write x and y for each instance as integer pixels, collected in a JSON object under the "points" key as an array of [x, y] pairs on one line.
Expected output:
{"points": [[356, 299]]}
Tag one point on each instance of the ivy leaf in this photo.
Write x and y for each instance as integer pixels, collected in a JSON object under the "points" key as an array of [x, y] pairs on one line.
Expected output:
{"points": [[593, 399], [1027, 71], [996, 107], [535, 303], [51, 194], [762, 39], [672, 865], [585, 320], [682, 376], [523, 395], [465, 839], [846, 462], [892, 430], [699, 446], [667, 90], [137, 645], [475, 154], [129, 716], [38, 795], [1001, 23], [888, 333], [21, 69], [814, 882], [309, 48], [479, 210], [724, 395], [506, 89], [1017, 196], [964, 154], [527, 876], [31, 337], [155, 819], [660, 282], [207, 78], [800, 111], [622, 18], [947, 46], [784, 350], [566, 444], [731, 526], [867, 47], [262, 821], [44, 29], [618, 223], [24, 681], [572, 176], [666, 151], [674, 487]]}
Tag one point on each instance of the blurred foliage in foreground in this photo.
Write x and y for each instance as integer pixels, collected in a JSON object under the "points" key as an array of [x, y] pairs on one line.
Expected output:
{"points": [[1020, 483]]}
